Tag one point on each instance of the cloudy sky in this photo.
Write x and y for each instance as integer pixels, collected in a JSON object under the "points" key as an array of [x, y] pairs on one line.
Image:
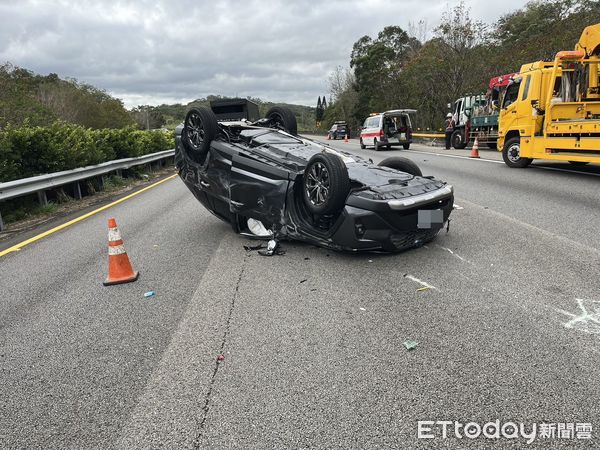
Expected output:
{"points": [[152, 52]]}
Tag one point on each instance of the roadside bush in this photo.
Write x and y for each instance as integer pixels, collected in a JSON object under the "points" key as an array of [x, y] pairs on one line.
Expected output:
{"points": [[28, 151]]}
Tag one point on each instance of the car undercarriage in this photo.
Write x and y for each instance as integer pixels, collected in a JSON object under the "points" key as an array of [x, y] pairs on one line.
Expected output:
{"points": [[303, 190]]}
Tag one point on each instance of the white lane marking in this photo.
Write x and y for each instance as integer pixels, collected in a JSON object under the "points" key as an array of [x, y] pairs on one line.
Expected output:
{"points": [[557, 169], [533, 166], [458, 207], [456, 255], [530, 227], [454, 156], [422, 283], [588, 322]]}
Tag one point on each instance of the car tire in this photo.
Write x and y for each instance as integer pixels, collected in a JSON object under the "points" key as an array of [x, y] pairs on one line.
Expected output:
{"points": [[284, 118], [326, 184], [579, 163], [405, 146], [511, 154], [199, 129], [375, 145], [335, 136], [458, 140], [388, 147], [362, 144], [402, 164]]}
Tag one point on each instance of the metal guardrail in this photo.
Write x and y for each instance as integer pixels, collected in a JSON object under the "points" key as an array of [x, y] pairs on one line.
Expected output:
{"points": [[39, 184]]}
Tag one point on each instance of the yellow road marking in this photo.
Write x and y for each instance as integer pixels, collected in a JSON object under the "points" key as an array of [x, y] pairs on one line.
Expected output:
{"points": [[20, 245]]}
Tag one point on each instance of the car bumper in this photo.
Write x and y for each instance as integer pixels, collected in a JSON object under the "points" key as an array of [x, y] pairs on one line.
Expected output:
{"points": [[391, 230], [395, 141]]}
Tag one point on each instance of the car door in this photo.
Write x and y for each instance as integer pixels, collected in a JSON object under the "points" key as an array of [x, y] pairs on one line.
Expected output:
{"points": [[214, 177], [509, 114], [258, 190]]}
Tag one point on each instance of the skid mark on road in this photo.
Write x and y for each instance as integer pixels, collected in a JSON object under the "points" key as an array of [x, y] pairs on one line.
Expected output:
{"points": [[586, 321], [421, 282], [174, 403], [218, 361]]}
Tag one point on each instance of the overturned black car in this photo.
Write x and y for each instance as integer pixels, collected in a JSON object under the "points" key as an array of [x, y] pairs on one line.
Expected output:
{"points": [[242, 168]]}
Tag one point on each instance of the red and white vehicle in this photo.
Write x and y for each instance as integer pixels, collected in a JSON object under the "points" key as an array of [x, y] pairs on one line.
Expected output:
{"points": [[387, 129]]}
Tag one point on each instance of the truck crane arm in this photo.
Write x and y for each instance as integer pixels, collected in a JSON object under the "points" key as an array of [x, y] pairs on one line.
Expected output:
{"points": [[589, 42]]}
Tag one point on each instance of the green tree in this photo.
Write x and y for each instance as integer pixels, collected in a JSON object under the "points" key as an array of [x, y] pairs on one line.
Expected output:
{"points": [[148, 117]]}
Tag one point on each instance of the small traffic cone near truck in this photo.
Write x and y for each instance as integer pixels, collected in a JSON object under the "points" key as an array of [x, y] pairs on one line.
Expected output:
{"points": [[119, 266], [475, 149], [346, 139]]}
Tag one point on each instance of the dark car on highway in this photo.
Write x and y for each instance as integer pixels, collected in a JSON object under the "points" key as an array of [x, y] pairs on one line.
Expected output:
{"points": [[241, 167], [339, 130]]}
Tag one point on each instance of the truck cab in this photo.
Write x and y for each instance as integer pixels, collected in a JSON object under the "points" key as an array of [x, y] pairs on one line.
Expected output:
{"points": [[461, 111], [551, 110], [476, 116]]}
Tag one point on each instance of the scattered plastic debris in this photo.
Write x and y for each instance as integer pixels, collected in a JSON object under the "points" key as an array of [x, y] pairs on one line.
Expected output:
{"points": [[410, 345], [370, 260], [423, 289], [221, 357], [272, 249], [306, 259], [155, 245], [303, 281], [149, 294], [362, 309], [258, 229], [250, 248]]}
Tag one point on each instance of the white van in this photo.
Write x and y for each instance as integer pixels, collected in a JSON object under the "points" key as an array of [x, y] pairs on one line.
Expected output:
{"points": [[387, 129]]}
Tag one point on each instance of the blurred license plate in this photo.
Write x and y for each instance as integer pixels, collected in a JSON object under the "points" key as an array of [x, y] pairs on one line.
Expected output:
{"points": [[430, 218], [402, 136]]}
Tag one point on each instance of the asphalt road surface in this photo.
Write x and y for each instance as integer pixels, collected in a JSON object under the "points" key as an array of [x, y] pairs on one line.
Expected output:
{"points": [[507, 329]]}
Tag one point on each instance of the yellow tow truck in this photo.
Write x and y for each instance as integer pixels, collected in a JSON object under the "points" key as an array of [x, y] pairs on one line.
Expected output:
{"points": [[551, 110]]}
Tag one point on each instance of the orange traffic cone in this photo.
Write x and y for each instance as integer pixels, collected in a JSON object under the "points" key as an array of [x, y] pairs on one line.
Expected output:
{"points": [[346, 139], [475, 149], [119, 267]]}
